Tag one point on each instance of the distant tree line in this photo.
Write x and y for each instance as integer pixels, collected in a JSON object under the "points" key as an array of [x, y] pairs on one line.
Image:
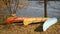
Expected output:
{"points": [[43, 0]]}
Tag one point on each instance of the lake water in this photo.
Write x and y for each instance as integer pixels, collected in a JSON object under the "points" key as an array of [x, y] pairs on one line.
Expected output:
{"points": [[37, 10]]}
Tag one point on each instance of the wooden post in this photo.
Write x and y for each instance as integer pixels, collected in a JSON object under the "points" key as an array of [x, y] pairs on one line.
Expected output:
{"points": [[45, 8]]}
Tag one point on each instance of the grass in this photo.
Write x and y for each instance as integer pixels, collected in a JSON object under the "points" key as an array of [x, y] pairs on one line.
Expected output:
{"points": [[30, 29]]}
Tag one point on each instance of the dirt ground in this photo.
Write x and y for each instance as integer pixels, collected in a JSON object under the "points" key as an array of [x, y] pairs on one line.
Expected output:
{"points": [[30, 29]]}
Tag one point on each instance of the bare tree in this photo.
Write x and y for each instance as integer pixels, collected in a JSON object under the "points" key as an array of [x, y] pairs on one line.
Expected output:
{"points": [[2, 5], [21, 4]]}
